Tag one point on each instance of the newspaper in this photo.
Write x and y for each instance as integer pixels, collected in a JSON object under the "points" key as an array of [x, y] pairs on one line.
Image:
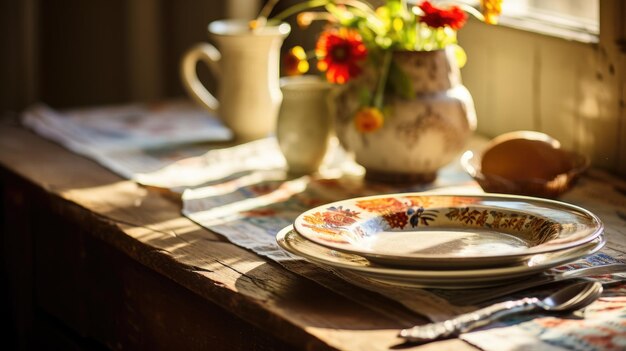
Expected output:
{"points": [[131, 139]]}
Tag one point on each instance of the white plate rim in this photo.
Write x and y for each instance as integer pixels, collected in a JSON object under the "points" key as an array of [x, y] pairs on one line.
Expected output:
{"points": [[562, 257], [408, 259]]}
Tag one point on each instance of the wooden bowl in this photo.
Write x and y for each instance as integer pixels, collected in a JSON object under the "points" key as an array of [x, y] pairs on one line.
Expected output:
{"points": [[525, 163]]}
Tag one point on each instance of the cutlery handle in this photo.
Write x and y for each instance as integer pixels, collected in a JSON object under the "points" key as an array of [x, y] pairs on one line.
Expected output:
{"points": [[532, 282], [500, 291], [468, 321]]}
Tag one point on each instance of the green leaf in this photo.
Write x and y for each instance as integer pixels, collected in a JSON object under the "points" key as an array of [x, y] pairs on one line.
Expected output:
{"points": [[399, 82], [395, 7], [365, 96], [383, 42], [342, 15]]}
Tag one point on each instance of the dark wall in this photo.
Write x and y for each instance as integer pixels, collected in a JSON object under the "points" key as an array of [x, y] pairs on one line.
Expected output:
{"points": [[70, 53], [76, 52], [81, 52]]}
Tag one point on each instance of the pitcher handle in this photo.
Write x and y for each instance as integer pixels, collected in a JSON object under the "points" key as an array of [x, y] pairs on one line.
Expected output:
{"points": [[211, 56]]}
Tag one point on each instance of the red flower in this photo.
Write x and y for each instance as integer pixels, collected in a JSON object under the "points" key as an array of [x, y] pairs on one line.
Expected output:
{"points": [[339, 53], [435, 17]]}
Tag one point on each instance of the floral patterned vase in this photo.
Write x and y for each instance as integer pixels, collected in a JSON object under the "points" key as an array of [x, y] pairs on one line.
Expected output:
{"points": [[421, 133]]}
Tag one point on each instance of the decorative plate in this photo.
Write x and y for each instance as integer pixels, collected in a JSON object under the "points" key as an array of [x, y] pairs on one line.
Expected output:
{"points": [[297, 245], [448, 231]]}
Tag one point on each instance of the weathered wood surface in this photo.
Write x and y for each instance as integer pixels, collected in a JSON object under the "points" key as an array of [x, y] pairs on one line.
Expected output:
{"points": [[147, 227]]}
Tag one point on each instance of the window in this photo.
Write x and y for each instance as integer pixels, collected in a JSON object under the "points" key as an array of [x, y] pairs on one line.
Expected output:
{"points": [[571, 19]]}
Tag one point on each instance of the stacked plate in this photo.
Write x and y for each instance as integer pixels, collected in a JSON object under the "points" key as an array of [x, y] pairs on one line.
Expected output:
{"points": [[444, 241]]}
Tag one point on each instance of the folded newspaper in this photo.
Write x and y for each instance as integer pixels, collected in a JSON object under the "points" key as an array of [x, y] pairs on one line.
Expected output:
{"points": [[173, 145], [128, 126], [132, 139]]}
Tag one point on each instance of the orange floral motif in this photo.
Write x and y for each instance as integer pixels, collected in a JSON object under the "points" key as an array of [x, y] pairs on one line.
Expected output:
{"points": [[497, 217], [334, 217], [383, 205], [338, 217], [397, 220], [332, 221], [315, 222], [541, 229], [467, 216], [315, 219], [330, 231], [423, 201], [482, 218], [510, 221], [462, 214], [520, 223]]}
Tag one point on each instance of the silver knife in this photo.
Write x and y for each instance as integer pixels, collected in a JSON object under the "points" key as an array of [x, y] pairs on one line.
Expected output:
{"points": [[496, 292]]}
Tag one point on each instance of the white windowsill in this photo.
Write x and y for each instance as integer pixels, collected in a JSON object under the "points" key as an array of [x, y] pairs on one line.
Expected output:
{"points": [[541, 26]]}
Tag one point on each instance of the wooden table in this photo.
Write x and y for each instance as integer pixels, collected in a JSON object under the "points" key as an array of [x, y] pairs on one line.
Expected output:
{"points": [[94, 260]]}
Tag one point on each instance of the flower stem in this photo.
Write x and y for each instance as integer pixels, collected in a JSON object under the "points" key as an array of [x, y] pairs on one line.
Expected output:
{"points": [[298, 8], [267, 9], [361, 5], [310, 54], [382, 82]]}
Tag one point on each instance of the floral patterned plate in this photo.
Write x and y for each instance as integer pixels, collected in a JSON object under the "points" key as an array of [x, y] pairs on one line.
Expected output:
{"points": [[297, 245], [448, 231]]}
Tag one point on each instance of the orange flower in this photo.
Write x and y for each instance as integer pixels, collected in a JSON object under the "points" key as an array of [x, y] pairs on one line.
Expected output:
{"points": [[491, 9], [339, 52], [305, 19], [368, 119], [295, 62]]}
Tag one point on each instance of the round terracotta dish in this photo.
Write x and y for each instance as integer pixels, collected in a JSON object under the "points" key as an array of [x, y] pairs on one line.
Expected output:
{"points": [[525, 163]]}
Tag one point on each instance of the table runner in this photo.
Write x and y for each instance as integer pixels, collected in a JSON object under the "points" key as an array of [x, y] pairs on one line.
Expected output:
{"points": [[250, 213], [244, 193], [601, 326]]}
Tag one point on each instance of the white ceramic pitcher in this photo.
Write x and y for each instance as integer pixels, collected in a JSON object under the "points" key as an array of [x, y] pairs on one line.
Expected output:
{"points": [[247, 69]]}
